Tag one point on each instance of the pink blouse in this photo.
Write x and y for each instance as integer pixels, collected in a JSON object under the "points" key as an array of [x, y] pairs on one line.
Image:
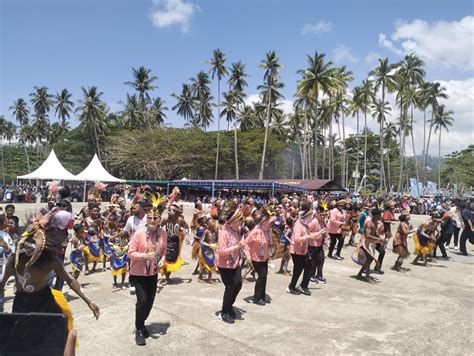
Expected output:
{"points": [[228, 249], [257, 244], [140, 245], [336, 219], [314, 226], [299, 240]]}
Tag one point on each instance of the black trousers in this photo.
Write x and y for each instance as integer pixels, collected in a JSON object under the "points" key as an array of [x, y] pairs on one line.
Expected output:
{"points": [[466, 235], [440, 243], [145, 287], [232, 279], [261, 285], [456, 237], [300, 263], [316, 256], [340, 242], [381, 250]]}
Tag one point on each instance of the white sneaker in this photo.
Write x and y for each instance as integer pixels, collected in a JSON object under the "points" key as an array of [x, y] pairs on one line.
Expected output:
{"points": [[132, 290], [455, 248], [447, 248]]}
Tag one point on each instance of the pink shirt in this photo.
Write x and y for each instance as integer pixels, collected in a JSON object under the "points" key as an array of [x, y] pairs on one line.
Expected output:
{"points": [[336, 219], [299, 240], [139, 245], [228, 250], [257, 244], [314, 226]]}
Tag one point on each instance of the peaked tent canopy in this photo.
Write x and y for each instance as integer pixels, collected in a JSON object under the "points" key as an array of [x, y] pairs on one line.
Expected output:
{"points": [[50, 169], [96, 172]]}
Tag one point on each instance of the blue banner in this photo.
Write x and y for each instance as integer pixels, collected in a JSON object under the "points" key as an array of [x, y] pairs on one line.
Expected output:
{"points": [[414, 188]]}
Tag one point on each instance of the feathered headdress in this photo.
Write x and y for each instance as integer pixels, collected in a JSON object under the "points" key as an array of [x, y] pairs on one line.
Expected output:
{"points": [[174, 195], [157, 202], [324, 205]]}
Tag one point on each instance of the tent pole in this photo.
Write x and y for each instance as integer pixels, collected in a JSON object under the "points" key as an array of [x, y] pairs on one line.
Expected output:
{"points": [[273, 189], [85, 186], [168, 188], [212, 191]]}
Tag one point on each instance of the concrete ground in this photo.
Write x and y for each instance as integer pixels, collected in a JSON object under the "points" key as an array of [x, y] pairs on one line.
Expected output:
{"points": [[425, 311]]}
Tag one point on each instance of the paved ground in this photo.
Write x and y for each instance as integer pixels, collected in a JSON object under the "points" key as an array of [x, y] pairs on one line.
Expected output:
{"points": [[425, 311]]}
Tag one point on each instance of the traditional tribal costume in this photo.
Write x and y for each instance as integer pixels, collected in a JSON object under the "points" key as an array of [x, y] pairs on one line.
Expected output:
{"points": [[207, 250], [400, 246], [36, 257]]}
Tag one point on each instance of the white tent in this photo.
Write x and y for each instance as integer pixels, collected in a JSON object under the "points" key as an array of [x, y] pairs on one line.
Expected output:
{"points": [[95, 172], [50, 169]]}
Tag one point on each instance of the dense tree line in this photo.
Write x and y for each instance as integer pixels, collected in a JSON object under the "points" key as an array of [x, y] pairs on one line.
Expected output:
{"points": [[310, 142]]}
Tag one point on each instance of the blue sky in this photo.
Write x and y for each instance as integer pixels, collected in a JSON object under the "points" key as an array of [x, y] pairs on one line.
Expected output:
{"points": [[74, 43]]}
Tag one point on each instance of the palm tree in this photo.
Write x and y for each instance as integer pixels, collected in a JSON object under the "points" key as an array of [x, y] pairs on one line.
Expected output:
{"points": [[380, 110], [390, 135], [318, 78], [55, 131], [132, 115], [63, 106], [21, 113], [412, 70], [356, 106], [367, 97], [143, 83], [270, 94], [237, 83], [295, 134], [93, 114], [9, 132], [403, 128], [435, 92], [185, 104], [401, 87], [218, 69], [157, 112], [383, 79], [442, 120], [246, 118], [42, 103]]}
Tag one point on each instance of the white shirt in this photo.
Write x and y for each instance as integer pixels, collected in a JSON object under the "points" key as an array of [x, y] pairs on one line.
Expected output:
{"points": [[3, 258], [133, 224]]}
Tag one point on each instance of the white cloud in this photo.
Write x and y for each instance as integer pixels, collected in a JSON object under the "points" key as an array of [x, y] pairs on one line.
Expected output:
{"points": [[167, 13], [320, 27], [372, 57], [343, 54], [449, 44]]}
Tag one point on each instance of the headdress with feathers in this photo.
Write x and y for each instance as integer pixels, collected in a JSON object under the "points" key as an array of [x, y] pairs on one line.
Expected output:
{"points": [[157, 202]]}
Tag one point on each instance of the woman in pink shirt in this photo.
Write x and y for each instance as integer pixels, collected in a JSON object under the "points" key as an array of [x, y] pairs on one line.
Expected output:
{"points": [[299, 250], [337, 218], [228, 250], [258, 249], [147, 251], [316, 247]]}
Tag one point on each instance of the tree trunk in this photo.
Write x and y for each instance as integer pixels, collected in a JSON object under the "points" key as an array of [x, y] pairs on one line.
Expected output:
{"points": [[365, 148], [323, 165], [97, 142], [218, 125], [400, 160], [382, 169], [267, 124], [439, 160], [293, 165], [330, 152], [357, 157], [424, 136], [344, 149], [305, 142], [389, 187], [413, 145], [3, 162], [428, 146], [236, 154], [301, 158]]}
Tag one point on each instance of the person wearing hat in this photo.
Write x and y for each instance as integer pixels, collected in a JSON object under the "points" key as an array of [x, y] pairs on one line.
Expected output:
{"points": [[372, 231], [258, 250], [426, 233], [400, 246], [147, 251], [299, 250], [228, 259], [337, 218]]}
